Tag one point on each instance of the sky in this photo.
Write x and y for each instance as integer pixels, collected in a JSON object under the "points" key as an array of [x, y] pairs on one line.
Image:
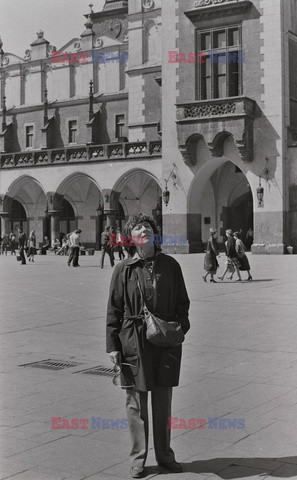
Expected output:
{"points": [[61, 20]]}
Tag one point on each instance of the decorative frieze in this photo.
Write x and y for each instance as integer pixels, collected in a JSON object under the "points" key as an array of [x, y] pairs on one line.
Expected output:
{"points": [[210, 110], [206, 3]]}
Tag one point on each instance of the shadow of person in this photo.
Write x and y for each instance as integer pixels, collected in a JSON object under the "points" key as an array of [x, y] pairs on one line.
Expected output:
{"points": [[235, 468]]}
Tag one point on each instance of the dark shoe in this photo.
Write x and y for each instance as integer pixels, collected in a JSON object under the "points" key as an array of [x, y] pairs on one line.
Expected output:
{"points": [[250, 278], [173, 467], [238, 280], [137, 472], [221, 278], [212, 281], [204, 278]]}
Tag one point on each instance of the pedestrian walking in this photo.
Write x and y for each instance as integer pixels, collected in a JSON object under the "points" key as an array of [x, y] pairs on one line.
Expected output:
{"points": [[32, 246], [105, 246], [244, 262], [45, 246], [12, 239], [210, 260], [119, 244], [231, 252], [4, 245], [74, 244], [148, 278], [22, 245]]}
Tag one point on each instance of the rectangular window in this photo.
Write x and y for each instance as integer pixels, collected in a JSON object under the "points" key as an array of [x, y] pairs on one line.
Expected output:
{"points": [[72, 134], [29, 136], [120, 126], [220, 75]]}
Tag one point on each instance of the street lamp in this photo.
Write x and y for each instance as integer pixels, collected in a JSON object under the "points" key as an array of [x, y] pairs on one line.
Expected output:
{"points": [[166, 194], [260, 194]]}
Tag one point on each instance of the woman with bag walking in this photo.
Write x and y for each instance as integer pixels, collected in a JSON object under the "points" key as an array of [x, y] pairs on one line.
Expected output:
{"points": [[210, 260], [244, 262], [152, 280], [231, 252], [32, 246]]}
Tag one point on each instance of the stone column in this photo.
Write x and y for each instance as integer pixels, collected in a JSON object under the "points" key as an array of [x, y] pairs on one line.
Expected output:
{"points": [[111, 218], [5, 218], [55, 223]]}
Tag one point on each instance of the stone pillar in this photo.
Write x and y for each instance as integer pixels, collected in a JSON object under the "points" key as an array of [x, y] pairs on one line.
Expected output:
{"points": [[111, 218], [55, 224], [5, 230]]}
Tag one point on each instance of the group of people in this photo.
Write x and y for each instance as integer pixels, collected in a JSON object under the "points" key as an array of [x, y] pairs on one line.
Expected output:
{"points": [[237, 260], [108, 248], [8, 241]]}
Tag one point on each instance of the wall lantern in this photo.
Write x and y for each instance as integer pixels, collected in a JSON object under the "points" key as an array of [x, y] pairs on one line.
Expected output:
{"points": [[99, 210], [166, 194], [260, 194]]}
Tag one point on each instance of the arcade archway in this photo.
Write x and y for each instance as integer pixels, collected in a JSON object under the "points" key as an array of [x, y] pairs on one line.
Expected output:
{"points": [[138, 191], [220, 197]]}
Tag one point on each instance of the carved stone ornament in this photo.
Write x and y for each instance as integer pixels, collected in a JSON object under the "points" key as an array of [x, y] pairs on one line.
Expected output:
{"points": [[147, 5], [206, 3], [110, 28], [5, 61], [27, 55], [210, 110], [77, 46], [50, 49], [98, 42]]}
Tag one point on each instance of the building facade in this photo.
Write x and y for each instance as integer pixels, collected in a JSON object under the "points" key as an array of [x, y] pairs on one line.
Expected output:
{"points": [[192, 101]]}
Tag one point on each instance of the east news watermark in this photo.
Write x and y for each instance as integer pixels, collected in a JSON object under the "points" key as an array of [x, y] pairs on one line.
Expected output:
{"points": [[174, 423], [89, 57], [204, 57]]}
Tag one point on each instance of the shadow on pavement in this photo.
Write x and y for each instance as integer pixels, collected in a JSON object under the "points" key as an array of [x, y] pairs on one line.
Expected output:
{"points": [[247, 281], [234, 468]]}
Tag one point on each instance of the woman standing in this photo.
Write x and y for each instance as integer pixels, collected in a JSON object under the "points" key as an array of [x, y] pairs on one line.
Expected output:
{"points": [[240, 250], [210, 260], [231, 252], [32, 246], [151, 276]]}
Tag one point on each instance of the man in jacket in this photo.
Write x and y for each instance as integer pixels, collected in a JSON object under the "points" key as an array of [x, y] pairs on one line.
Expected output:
{"points": [[105, 246], [74, 243], [22, 245]]}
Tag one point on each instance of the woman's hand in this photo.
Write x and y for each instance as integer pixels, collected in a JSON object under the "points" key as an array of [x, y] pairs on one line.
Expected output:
{"points": [[115, 357]]}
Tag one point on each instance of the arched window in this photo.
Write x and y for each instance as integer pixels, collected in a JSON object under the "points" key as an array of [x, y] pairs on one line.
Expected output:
{"points": [[153, 41]]}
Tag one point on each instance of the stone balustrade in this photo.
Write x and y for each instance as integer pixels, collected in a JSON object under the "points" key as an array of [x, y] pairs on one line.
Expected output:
{"points": [[81, 154]]}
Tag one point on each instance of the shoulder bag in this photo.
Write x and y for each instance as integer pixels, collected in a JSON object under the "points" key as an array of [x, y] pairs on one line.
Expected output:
{"points": [[160, 332]]}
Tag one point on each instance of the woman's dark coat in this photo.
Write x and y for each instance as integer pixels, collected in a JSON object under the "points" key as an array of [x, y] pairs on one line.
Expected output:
{"points": [[125, 329], [210, 260]]}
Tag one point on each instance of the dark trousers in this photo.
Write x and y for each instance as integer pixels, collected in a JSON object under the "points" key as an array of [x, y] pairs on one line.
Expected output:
{"points": [[137, 414], [12, 247], [74, 254], [107, 249], [121, 253], [22, 255]]}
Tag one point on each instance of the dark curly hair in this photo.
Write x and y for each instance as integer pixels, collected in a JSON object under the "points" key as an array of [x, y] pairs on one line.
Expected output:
{"points": [[131, 223]]}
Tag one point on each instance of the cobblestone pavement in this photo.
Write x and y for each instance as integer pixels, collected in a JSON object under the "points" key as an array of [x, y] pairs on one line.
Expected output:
{"points": [[239, 362]]}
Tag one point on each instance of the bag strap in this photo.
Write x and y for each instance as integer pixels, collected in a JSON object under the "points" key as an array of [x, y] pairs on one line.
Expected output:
{"points": [[145, 309]]}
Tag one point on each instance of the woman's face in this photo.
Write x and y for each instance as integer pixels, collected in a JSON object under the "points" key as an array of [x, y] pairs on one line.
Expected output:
{"points": [[141, 233]]}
